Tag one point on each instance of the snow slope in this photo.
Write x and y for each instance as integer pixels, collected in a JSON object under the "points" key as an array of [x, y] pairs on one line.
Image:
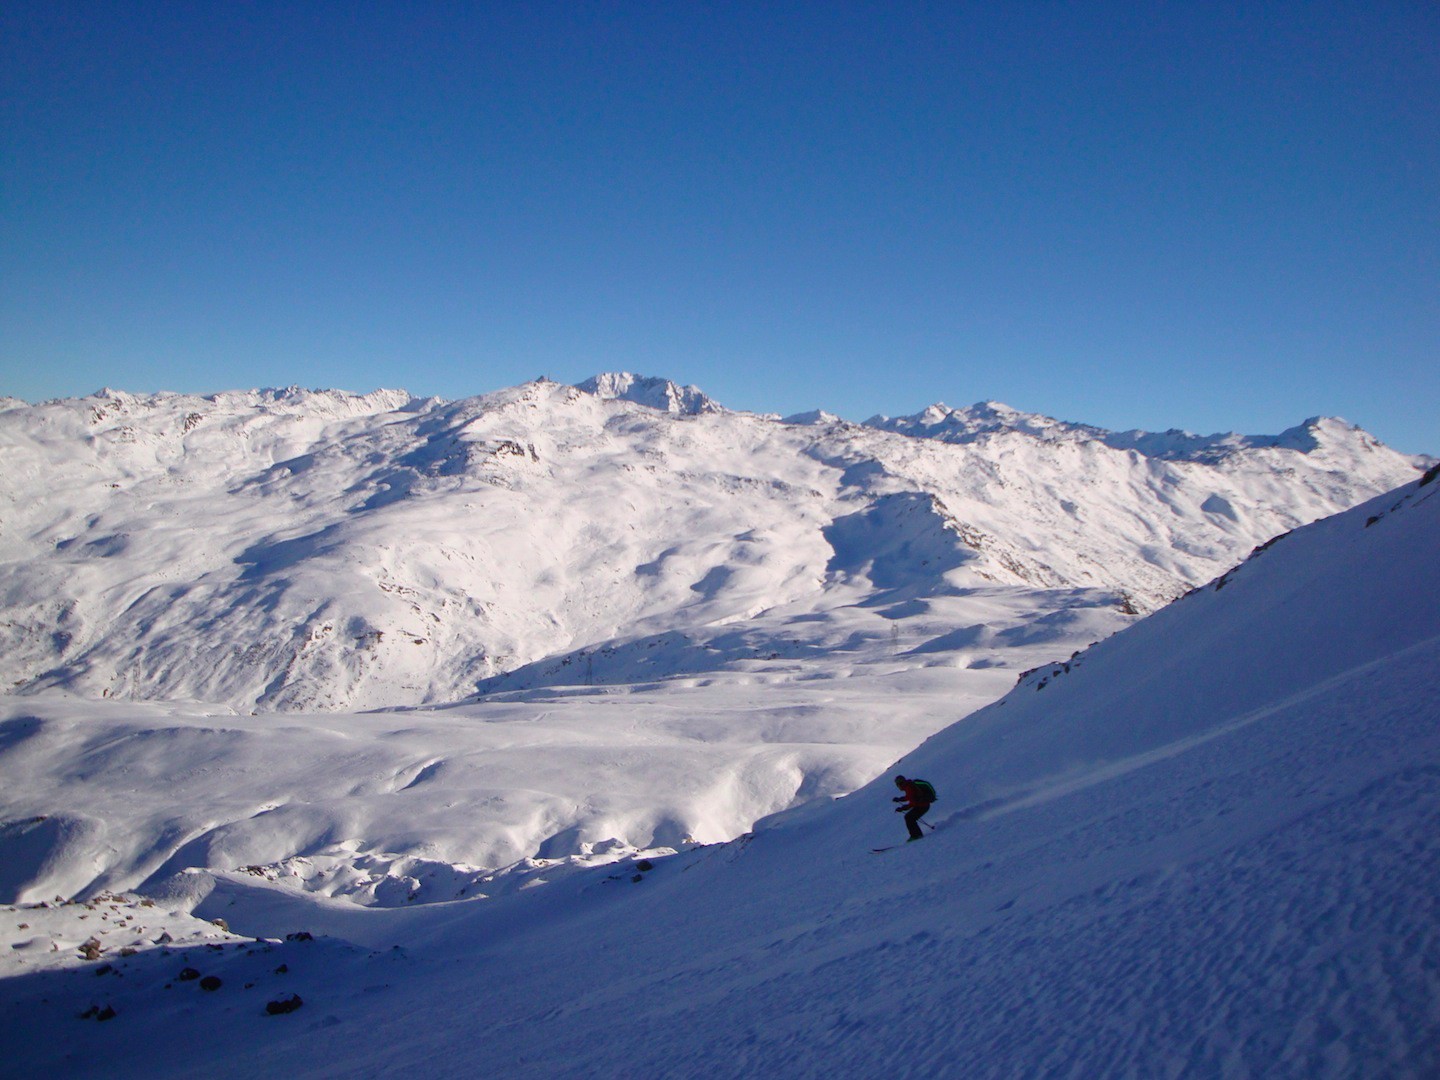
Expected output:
{"points": [[1205, 846]]}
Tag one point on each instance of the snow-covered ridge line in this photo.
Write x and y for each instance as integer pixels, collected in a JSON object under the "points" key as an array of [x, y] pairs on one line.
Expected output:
{"points": [[937, 421], [990, 418], [288, 400]]}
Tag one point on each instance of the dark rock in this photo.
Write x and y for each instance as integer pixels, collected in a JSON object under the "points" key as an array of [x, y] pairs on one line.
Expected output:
{"points": [[188, 974], [300, 935], [91, 950], [210, 982], [283, 1005]]}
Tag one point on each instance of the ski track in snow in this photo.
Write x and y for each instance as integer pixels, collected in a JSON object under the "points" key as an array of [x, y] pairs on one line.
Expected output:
{"points": [[1102, 774]]}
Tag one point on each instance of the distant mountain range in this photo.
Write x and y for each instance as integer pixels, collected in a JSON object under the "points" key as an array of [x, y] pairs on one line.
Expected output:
{"points": [[319, 550]]}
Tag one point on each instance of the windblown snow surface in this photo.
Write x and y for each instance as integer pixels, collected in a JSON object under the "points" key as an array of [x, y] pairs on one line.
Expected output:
{"points": [[1204, 846]]}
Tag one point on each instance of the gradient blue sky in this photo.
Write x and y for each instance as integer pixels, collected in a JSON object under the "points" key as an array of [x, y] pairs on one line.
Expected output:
{"points": [[1218, 216]]}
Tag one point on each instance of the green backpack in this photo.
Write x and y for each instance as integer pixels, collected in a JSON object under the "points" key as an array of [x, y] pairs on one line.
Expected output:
{"points": [[926, 789]]}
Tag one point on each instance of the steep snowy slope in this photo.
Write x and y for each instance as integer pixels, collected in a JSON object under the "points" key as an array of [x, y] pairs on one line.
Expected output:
{"points": [[293, 550], [1206, 846]]}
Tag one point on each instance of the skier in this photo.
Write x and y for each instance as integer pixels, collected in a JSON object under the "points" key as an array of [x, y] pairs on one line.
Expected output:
{"points": [[917, 797]]}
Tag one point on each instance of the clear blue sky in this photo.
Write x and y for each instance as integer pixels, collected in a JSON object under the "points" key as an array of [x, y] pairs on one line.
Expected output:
{"points": [[1219, 216]]}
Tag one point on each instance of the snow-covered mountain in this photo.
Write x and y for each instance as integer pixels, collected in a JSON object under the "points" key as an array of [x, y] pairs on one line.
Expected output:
{"points": [[654, 392], [660, 624], [301, 550], [990, 418], [1204, 846]]}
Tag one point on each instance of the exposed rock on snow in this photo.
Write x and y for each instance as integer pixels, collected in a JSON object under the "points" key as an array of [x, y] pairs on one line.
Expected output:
{"points": [[653, 393]]}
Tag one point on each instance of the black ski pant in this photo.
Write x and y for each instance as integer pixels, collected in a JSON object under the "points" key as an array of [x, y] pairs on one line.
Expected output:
{"points": [[912, 819]]}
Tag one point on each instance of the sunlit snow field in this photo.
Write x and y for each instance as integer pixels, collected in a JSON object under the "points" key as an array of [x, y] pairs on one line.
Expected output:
{"points": [[1203, 846]]}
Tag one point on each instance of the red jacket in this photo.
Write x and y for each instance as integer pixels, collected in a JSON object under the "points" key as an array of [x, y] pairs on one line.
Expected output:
{"points": [[913, 795]]}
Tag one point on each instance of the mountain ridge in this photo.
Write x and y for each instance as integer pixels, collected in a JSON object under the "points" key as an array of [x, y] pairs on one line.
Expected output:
{"points": [[988, 418], [937, 421]]}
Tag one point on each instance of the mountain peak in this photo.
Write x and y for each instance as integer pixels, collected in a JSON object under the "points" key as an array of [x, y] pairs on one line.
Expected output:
{"points": [[813, 418], [967, 425], [652, 392]]}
